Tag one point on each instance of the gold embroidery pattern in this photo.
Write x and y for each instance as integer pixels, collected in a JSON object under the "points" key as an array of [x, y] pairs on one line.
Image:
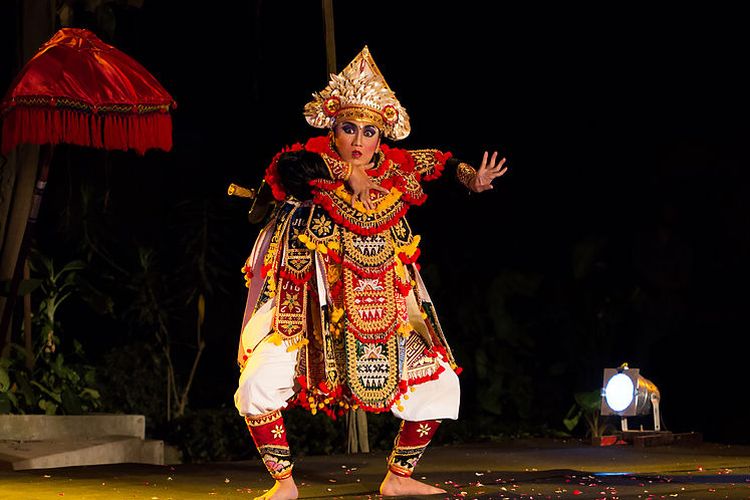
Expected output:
{"points": [[277, 460], [291, 306], [368, 252], [423, 430], [338, 169], [258, 420], [405, 189], [404, 459], [356, 220], [465, 173], [272, 257], [294, 272], [321, 228], [401, 233], [412, 187], [372, 371], [425, 160], [298, 262], [370, 305], [279, 431], [333, 350], [418, 364]]}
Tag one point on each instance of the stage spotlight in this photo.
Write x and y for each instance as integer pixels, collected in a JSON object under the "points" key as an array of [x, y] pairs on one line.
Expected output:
{"points": [[627, 394]]}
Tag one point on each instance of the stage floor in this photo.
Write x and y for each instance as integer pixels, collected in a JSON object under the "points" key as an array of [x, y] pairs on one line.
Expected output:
{"points": [[536, 468]]}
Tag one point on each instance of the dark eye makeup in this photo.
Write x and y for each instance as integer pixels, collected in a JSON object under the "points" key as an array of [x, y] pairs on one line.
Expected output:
{"points": [[368, 130]]}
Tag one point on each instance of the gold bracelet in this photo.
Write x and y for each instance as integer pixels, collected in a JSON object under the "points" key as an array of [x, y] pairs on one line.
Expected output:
{"points": [[339, 169], [465, 173]]}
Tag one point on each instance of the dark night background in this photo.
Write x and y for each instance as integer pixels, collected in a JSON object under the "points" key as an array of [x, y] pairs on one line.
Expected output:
{"points": [[620, 232]]}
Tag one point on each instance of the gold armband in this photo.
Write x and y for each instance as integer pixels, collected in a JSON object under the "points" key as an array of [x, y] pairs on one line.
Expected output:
{"points": [[339, 170], [465, 173]]}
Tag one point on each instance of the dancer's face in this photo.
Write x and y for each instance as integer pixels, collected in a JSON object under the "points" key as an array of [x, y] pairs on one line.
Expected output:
{"points": [[356, 142]]}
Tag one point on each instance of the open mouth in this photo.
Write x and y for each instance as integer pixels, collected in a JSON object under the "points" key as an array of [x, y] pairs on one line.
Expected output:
{"points": [[356, 154]]}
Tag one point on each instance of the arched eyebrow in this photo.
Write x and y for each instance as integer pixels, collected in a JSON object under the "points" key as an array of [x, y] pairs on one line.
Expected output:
{"points": [[368, 126]]}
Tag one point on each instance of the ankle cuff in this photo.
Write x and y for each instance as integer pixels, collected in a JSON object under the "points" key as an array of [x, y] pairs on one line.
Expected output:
{"points": [[399, 471]]}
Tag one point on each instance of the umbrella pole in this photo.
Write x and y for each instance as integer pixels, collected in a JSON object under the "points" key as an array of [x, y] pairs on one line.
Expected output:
{"points": [[356, 429], [330, 36], [45, 158]]}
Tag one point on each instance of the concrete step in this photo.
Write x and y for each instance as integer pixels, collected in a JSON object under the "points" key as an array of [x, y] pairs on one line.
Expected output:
{"points": [[24, 455], [48, 441], [70, 427]]}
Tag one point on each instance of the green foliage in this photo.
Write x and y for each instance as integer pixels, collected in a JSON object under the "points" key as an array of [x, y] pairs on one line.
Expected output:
{"points": [[54, 386], [56, 287], [587, 406], [159, 292], [49, 382]]}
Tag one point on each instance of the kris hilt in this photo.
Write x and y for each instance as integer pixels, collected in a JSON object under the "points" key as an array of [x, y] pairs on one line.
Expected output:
{"points": [[242, 192], [262, 200]]}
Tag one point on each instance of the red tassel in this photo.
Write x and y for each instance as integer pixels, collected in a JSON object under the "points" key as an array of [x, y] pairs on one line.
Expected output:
{"points": [[55, 125], [264, 270], [414, 201], [409, 260], [365, 273], [299, 281], [439, 166], [437, 373], [374, 340], [96, 132], [336, 289], [427, 378], [334, 255], [403, 288], [79, 132]]}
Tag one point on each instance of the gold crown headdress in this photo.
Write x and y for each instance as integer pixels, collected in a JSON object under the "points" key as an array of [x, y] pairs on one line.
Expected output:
{"points": [[361, 93]]}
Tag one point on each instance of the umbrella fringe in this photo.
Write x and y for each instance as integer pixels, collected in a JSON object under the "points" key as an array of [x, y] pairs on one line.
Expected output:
{"points": [[108, 131]]}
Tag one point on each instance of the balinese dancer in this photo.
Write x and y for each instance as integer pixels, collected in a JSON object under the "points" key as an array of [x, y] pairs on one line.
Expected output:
{"points": [[337, 315]]}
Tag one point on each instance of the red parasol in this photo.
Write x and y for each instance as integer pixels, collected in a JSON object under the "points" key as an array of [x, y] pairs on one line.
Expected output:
{"points": [[79, 90]]}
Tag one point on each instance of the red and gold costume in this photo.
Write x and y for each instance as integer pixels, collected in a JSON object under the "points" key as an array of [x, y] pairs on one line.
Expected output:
{"points": [[337, 315]]}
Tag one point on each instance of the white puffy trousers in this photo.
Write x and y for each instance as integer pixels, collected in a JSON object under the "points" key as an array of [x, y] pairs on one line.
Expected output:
{"points": [[267, 381]]}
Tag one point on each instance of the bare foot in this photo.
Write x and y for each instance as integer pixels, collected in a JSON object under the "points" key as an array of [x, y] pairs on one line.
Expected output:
{"points": [[394, 485], [284, 489]]}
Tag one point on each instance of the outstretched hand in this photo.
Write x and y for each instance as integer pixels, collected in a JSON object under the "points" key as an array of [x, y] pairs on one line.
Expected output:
{"points": [[487, 173], [362, 185]]}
